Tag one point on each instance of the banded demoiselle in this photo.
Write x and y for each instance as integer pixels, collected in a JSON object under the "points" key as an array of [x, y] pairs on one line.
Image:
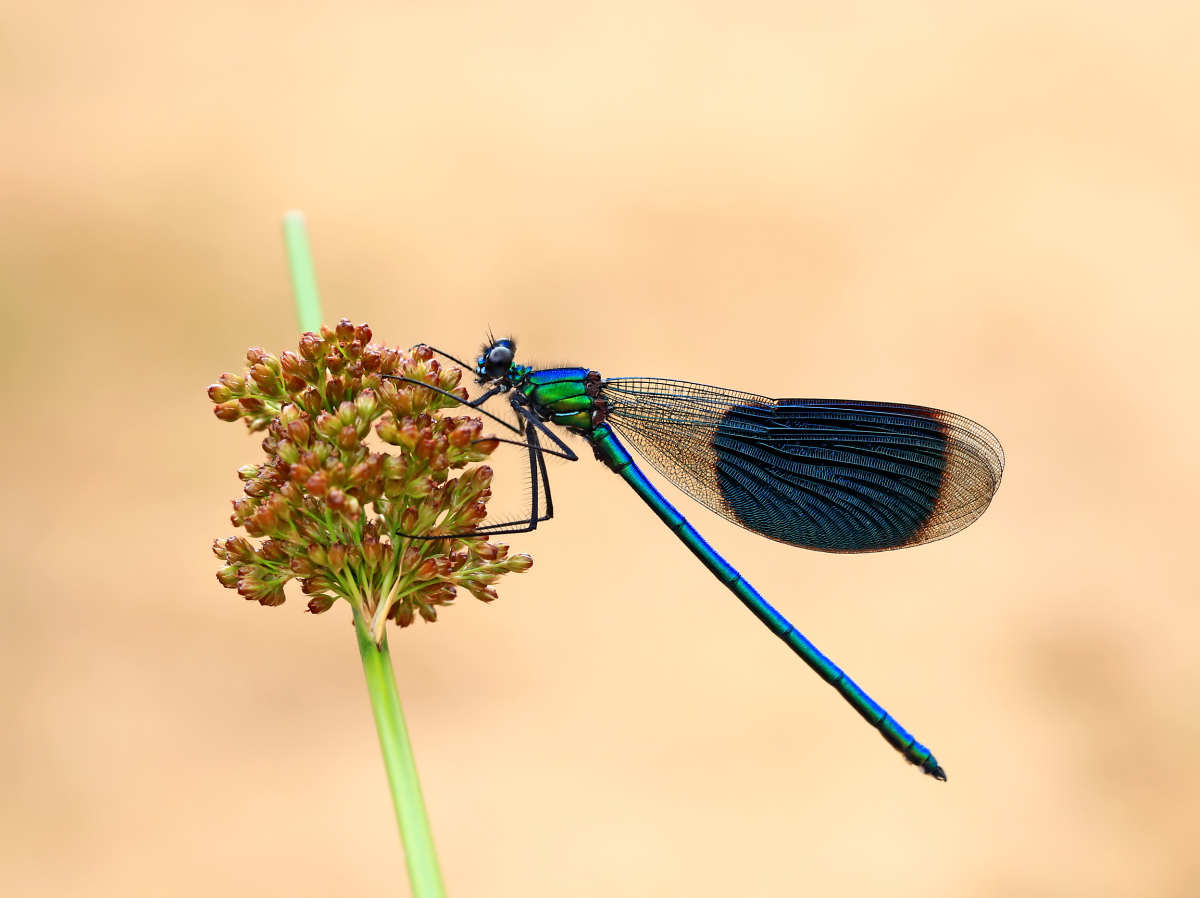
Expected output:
{"points": [[831, 475]]}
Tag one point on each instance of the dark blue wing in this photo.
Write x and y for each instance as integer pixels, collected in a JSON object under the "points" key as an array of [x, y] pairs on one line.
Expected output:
{"points": [[834, 475]]}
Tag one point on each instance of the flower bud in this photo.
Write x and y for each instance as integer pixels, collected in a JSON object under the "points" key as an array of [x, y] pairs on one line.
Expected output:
{"points": [[421, 487], [367, 404], [288, 452], [273, 550], [345, 331], [320, 604], [347, 439], [312, 401], [228, 411], [465, 433], [518, 564], [235, 383], [337, 557], [239, 549], [328, 425], [483, 593], [228, 576], [318, 484], [311, 346], [302, 567], [219, 393], [318, 583], [336, 500], [298, 432], [473, 514], [408, 522], [402, 614]]}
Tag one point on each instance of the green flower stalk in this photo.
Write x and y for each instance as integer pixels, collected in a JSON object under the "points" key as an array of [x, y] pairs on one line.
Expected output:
{"points": [[339, 517]]}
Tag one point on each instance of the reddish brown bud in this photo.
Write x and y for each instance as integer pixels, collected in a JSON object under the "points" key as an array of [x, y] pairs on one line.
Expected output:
{"points": [[311, 346], [421, 486], [219, 393], [483, 593], [233, 382], [472, 515], [318, 583], [311, 400], [362, 334], [228, 411], [408, 521], [345, 330], [239, 549], [228, 576], [318, 484], [273, 550], [465, 433], [320, 604], [422, 353], [347, 439], [402, 614], [336, 500], [299, 433], [337, 557], [302, 567]]}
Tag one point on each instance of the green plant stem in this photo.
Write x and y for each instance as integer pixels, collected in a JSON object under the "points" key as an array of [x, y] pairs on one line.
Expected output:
{"points": [[304, 277], [423, 871]]}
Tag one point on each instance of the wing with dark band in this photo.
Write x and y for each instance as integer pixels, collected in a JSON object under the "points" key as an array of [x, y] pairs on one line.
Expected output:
{"points": [[828, 474]]}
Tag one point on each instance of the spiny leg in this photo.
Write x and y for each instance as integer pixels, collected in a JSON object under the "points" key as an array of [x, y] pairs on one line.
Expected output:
{"points": [[474, 404]]}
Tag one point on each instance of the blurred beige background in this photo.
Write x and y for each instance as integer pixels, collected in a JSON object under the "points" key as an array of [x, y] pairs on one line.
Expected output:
{"points": [[992, 208]]}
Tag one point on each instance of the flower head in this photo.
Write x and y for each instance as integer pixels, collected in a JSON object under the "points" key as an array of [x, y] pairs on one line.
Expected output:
{"points": [[341, 518]]}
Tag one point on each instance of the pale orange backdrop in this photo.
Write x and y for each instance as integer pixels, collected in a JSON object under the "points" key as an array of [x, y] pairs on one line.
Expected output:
{"points": [[992, 208]]}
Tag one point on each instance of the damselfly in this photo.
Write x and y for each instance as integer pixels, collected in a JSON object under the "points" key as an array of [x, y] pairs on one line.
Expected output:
{"points": [[831, 475]]}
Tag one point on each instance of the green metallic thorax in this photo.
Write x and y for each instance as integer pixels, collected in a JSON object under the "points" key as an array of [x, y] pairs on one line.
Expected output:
{"points": [[569, 397]]}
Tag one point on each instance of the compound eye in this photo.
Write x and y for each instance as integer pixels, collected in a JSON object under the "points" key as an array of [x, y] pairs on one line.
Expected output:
{"points": [[500, 357]]}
